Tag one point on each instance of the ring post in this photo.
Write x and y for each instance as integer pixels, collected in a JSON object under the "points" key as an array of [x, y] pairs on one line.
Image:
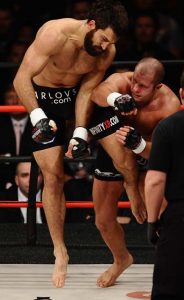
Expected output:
{"points": [[31, 210]]}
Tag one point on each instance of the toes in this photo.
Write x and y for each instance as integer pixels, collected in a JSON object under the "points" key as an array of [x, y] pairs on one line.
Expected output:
{"points": [[58, 283]]}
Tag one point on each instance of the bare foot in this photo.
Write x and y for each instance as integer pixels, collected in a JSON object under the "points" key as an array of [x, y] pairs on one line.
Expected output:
{"points": [[60, 270], [108, 278], [139, 211]]}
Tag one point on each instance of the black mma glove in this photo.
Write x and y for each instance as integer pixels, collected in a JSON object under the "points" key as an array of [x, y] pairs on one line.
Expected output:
{"points": [[80, 148], [135, 141], [122, 103], [42, 132], [79, 142], [43, 128], [153, 232]]}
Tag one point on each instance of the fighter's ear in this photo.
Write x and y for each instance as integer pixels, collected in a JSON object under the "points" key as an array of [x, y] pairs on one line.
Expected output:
{"points": [[92, 24], [158, 86], [181, 93]]}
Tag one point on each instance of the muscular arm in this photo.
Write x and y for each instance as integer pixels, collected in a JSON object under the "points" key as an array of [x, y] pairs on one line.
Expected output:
{"points": [[84, 106], [90, 82], [167, 104], [154, 193], [114, 83], [36, 58]]}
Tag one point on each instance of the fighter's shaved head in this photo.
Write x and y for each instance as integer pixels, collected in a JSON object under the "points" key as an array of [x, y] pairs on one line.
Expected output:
{"points": [[153, 66]]}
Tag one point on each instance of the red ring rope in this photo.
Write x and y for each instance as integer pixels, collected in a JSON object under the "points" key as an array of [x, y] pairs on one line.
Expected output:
{"points": [[69, 204], [12, 108]]}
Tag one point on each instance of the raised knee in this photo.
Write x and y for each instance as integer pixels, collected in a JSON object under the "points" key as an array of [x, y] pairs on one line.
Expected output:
{"points": [[122, 166]]}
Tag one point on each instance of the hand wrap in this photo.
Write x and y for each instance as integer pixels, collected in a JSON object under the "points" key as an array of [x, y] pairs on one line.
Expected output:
{"points": [[135, 141], [42, 132], [79, 142], [122, 103], [43, 129]]}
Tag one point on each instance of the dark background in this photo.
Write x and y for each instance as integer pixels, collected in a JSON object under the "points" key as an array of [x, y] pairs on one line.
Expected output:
{"points": [[85, 245]]}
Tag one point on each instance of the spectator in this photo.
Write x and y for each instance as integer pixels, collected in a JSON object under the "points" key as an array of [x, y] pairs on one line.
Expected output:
{"points": [[169, 34], [15, 131], [15, 54], [26, 33], [7, 28], [16, 51], [19, 191], [79, 9], [145, 30], [11, 142]]}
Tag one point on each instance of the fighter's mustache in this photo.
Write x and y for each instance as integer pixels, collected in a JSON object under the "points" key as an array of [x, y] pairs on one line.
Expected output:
{"points": [[91, 49], [100, 51], [95, 51]]}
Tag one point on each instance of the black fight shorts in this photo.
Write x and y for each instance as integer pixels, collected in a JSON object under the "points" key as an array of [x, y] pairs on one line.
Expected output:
{"points": [[104, 122], [59, 105], [105, 170]]}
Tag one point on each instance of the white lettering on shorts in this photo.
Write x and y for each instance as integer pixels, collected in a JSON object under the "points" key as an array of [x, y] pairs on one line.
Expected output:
{"points": [[57, 97], [104, 125]]}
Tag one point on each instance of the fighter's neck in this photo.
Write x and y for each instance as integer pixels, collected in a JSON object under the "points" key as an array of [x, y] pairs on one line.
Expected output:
{"points": [[79, 34]]}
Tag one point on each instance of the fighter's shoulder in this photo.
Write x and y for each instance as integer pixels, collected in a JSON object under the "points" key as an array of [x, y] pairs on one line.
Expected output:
{"points": [[57, 29], [168, 94], [64, 23], [121, 77], [170, 101]]}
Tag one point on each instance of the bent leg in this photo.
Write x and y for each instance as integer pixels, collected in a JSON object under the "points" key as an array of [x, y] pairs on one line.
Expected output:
{"points": [[125, 162], [50, 163], [105, 195]]}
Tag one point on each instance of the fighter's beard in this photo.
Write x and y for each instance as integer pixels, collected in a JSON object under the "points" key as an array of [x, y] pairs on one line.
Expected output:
{"points": [[88, 45]]}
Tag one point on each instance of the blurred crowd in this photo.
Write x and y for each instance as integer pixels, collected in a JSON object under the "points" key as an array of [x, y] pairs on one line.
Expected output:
{"points": [[156, 29]]}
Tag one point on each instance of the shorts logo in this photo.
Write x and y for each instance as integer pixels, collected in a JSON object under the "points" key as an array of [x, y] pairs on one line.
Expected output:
{"points": [[107, 124], [56, 97], [104, 125]]}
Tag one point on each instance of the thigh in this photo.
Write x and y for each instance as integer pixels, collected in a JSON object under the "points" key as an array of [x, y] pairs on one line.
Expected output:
{"points": [[104, 167], [122, 157], [104, 121], [50, 160]]}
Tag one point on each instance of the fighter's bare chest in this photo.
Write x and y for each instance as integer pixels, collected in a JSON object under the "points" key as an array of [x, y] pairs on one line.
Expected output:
{"points": [[74, 61]]}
